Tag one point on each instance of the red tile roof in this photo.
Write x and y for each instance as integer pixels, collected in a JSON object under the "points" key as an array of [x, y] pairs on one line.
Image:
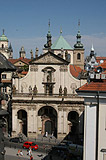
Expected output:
{"points": [[75, 70], [103, 65], [25, 60], [100, 58], [94, 86], [24, 72]]}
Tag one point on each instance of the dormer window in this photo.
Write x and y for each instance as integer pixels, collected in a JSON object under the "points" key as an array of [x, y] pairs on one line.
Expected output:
{"points": [[78, 56]]}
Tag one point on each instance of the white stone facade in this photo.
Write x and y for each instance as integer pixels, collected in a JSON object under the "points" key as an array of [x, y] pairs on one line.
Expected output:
{"points": [[47, 106]]}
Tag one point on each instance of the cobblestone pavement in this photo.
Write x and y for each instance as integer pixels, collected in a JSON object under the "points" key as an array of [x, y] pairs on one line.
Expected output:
{"points": [[11, 152]]}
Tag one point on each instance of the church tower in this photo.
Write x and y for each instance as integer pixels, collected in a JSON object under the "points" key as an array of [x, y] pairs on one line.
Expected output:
{"points": [[10, 52], [47, 46], [22, 52], [4, 45], [78, 54]]}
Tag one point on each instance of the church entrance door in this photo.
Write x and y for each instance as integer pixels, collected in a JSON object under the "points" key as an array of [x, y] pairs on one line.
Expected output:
{"points": [[48, 127]]}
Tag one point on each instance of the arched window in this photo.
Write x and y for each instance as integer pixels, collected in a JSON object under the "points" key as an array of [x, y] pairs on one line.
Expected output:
{"points": [[78, 56]]}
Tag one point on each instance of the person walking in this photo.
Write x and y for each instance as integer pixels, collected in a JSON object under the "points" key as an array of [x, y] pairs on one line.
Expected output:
{"points": [[29, 152], [31, 157]]}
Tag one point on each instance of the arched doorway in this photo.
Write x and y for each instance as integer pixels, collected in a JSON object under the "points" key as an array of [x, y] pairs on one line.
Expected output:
{"points": [[22, 117], [48, 126], [73, 119], [48, 120]]}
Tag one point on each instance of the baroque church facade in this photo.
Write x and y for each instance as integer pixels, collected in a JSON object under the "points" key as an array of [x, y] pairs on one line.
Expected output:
{"points": [[45, 99]]}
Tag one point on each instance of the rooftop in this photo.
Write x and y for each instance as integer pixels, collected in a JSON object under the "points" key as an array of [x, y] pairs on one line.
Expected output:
{"points": [[61, 43]]}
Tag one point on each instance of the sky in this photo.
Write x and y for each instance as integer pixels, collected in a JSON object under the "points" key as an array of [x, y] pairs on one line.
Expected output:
{"points": [[26, 23]]}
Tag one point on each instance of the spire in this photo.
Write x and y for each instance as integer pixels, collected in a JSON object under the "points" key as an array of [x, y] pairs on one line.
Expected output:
{"points": [[92, 51], [31, 52], [78, 43], [36, 52], [3, 31], [60, 31], [48, 44], [10, 48], [22, 52], [10, 51], [49, 26]]}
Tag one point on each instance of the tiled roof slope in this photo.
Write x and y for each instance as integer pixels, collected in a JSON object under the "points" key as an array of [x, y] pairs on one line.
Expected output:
{"points": [[100, 58], [103, 65], [94, 86], [25, 60], [75, 71]]}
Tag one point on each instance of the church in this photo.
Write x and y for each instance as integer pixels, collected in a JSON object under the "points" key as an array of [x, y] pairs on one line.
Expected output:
{"points": [[44, 99]]}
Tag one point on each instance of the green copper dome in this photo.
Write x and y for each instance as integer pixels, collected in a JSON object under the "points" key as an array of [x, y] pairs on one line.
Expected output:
{"points": [[61, 43], [3, 37]]}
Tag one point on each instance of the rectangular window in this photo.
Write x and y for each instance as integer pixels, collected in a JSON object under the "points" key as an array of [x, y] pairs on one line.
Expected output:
{"points": [[4, 89], [3, 76]]}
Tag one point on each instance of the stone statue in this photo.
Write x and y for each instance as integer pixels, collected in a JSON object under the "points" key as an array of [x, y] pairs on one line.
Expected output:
{"points": [[35, 90], [14, 89], [30, 90], [48, 78], [65, 91], [60, 91], [21, 89]]}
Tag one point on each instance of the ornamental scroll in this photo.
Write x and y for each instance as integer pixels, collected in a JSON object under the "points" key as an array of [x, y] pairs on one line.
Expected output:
{"points": [[63, 68], [33, 68]]}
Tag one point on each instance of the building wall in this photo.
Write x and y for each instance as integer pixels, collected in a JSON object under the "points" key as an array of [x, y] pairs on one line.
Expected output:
{"points": [[102, 128], [36, 77], [89, 127], [78, 62]]}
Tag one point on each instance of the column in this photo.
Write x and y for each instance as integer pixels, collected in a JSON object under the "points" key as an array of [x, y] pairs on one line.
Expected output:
{"points": [[65, 122], [30, 120], [60, 126], [34, 120], [14, 119]]}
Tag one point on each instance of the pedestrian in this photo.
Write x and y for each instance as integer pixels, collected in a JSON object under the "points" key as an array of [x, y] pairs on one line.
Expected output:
{"points": [[31, 157], [21, 153], [18, 154], [29, 152], [46, 135]]}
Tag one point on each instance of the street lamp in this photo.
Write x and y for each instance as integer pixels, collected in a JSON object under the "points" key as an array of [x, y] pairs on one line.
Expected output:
{"points": [[6, 66]]}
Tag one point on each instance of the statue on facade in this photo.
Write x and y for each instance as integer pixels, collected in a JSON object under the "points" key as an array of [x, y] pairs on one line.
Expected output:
{"points": [[65, 91], [48, 78], [21, 89], [30, 90], [35, 90], [73, 86], [13, 89], [60, 91]]}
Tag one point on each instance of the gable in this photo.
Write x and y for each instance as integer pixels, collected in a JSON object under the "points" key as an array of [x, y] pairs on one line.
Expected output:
{"points": [[20, 63], [49, 58]]}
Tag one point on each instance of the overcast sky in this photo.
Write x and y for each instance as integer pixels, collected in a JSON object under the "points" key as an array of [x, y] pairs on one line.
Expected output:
{"points": [[26, 23]]}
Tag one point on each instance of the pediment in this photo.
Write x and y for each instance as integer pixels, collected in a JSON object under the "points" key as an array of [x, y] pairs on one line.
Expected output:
{"points": [[19, 63], [49, 58]]}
